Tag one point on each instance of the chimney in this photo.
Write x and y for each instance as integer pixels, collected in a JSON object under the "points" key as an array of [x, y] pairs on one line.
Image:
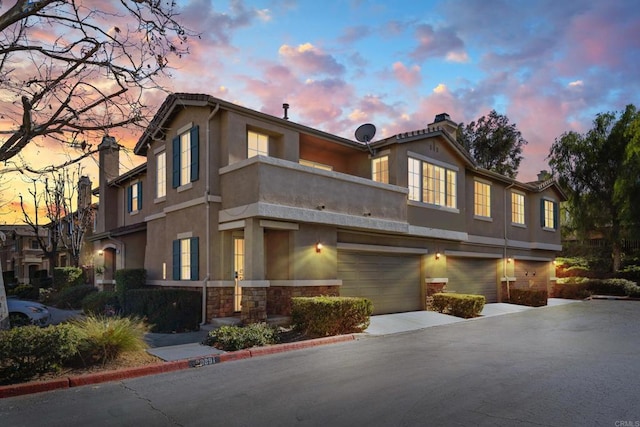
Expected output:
{"points": [[544, 175], [444, 122], [84, 192], [109, 164]]}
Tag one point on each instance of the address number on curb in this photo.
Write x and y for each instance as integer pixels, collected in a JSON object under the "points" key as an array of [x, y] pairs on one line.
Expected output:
{"points": [[204, 361]]}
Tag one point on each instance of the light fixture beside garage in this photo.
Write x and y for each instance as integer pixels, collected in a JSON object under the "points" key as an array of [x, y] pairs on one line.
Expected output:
{"points": [[318, 247], [437, 255]]}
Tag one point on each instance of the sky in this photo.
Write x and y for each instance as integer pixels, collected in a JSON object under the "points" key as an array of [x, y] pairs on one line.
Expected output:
{"points": [[549, 66]]}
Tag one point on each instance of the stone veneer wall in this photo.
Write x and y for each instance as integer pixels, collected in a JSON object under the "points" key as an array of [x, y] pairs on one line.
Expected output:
{"points": [[254, 305], [430, 289], [220, 302], [279, 297]]}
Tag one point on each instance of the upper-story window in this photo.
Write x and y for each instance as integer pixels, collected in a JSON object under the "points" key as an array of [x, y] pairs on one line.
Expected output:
{"points": [[316, 165], [517, 208], [185, 157], [549, 214], [161, 174], [185, 259], [134, 197], [432, 183], [380, 169], [257, 144], [35, 244], [482, 199]]}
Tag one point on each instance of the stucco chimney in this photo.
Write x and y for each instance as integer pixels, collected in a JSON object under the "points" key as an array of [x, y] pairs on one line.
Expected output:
{"points": [[444, 122], [84, 192], [109, 164]]}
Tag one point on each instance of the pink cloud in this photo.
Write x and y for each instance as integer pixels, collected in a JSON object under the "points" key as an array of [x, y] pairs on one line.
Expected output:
{"points": [[436, 43], [310, 60], [409, 77]]}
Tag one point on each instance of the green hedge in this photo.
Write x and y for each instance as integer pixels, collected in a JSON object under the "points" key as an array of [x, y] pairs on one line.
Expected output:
{"points": [[25, 291], [29, 351], [104, 303], [232, 338], [529, 297], [71, 298], [326, 315], [571, 289], [128, 279], [460, 305], [581, 288], [166, 310], [66, 277]]}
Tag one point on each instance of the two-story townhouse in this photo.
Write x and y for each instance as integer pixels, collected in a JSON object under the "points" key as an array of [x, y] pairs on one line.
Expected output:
{"points": [[20, 253], [252, 209]]}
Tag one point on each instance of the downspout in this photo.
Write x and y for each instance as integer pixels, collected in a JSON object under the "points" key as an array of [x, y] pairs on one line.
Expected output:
{"points": [[504, 258], [207, 191]]}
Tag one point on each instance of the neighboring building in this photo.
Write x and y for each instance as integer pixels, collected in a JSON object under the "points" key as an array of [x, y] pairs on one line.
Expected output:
{"points": [[20, 253], [252, 209]]}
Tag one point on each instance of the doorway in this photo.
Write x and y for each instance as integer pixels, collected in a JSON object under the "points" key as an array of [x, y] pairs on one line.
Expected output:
{"points": [[238, 265]]}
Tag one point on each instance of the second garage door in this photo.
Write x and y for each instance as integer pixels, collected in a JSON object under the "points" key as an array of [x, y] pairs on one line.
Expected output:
{"points": [[391, 282], [473, 276]]}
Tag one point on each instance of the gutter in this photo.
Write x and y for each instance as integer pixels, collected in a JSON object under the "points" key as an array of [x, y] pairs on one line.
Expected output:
{"points": [[504, 259]]}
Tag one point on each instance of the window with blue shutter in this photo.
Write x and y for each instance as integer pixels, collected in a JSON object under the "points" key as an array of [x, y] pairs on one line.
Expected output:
{"points": [[194, 258], [194, 153], [129, 198], [176, 260], [190, 270], [175, 167], [186, 156], [134, 197]]}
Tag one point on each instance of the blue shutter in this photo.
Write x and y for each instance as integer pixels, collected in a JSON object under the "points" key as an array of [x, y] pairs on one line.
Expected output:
{"points": [[176, 162], [542, 224], [194, 258], [139, 195], [129, 199], [195, 154], [176, 260], [556, 225]]}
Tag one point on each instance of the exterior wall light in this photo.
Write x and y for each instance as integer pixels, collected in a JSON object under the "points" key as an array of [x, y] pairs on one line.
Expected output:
{"points": [[509, 260], [318, 247], [100, 252], [437, 255]]}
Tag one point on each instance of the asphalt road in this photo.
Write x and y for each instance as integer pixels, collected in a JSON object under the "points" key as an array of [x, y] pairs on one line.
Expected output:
{"points": [[571, 365]]}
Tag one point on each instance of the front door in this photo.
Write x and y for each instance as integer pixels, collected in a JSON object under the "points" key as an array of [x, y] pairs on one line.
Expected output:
{"points": [[238, 265]]}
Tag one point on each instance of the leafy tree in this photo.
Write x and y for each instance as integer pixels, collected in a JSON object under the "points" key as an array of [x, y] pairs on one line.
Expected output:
{"points": [[494, 143], [70, 70], [599, 170]]}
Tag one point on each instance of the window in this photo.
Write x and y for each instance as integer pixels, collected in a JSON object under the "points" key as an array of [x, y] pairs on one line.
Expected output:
{"points": [[431, 183], [482, 199], [161, 174], [316, 165], [549, 214], [517, 208], [185, 259], [380, 169], [185, 157], [257, 144], [134, 197], [35, 244]]}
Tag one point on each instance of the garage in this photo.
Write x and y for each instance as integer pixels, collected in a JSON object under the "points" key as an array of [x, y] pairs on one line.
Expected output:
{"points": [[391, 282], [531, 274], [473, 276]]}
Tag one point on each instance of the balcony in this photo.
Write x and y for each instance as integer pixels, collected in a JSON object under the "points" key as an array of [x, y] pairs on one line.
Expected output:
{"points": [[268, 187]]}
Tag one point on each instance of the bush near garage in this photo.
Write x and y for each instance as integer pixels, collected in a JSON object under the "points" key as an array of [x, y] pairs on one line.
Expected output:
{"points": [[101, 303], [29, 351], [459, 305], [327, 315], [571, 288], [128, 279], [67, 277], [25, 291], [528, 297], [232, 338], [581, 288], [166, 310], [71, 298]]}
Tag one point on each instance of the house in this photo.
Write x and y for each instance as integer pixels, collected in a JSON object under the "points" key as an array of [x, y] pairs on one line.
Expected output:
{"points": [[20, 253], [251, 209]]}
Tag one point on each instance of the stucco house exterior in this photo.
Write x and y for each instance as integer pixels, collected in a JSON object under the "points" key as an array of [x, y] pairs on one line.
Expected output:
{"points": [[251, 209]]}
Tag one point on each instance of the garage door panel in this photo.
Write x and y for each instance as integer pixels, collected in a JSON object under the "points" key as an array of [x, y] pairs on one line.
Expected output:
{"points": [[473, 276], [392, 283]]}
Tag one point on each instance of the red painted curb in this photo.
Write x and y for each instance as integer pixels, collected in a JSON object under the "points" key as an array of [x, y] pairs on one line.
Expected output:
{"points": [[33, 387], [280, 348], [121, 374], [234, 355]]}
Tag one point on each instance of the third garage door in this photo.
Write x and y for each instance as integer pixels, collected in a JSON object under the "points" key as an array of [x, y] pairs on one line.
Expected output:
{"points": [[473, 276], [391, 282]]}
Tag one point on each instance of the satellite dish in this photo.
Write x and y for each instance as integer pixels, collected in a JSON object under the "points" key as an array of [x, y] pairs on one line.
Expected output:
{"points": [[365, 133]]}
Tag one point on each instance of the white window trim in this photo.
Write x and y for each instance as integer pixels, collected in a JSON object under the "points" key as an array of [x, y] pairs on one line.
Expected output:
{"points": [[476, 216], [524, 209], [447, 167]]}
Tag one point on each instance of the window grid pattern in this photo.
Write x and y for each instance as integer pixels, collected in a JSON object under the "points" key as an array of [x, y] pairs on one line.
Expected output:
{"points": [[517, 208], [414, 179], [185, 158], [380, 169], [257, 144], [161, 174], [185, 259], [482, 199], [549, 218], [433, 184]]}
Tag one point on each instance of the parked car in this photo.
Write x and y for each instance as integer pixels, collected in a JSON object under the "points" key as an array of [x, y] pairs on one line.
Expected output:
{"points": [[22, 312]]}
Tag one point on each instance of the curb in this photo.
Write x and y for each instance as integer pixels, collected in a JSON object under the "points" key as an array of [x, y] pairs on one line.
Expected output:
{"points": [[14, 390]]}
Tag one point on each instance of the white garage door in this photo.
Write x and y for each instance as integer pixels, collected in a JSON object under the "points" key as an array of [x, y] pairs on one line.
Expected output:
{"points": [[391, 282], [473, 276]]}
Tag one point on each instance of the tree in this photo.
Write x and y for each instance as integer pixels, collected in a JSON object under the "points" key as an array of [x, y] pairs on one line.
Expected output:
{"points": [[70, 72], [599, 171], [494, 143]]}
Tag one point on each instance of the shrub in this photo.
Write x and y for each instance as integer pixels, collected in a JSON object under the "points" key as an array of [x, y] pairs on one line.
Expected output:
{"points": [[326, 315], [67, 277], [528, 297], [630, 272], [575, 288], [25, 292], [166, 310], [459, 305], [101, 303], [104, 338], [617, 287], [231, 338], [128, 279], [71, 298], [29, 351]]}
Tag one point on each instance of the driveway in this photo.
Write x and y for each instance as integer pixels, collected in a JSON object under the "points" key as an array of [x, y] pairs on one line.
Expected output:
{"points": [[568, 365]]}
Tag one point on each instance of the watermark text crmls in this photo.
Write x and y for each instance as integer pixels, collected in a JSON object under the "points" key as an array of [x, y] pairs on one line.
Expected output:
{"points": [[625, 423]]}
